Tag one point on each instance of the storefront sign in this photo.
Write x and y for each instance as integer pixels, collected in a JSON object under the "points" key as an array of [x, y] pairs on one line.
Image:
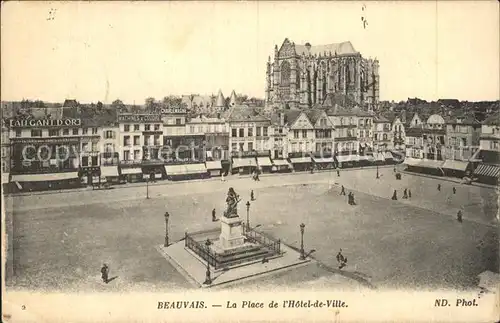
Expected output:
{"points": [[32, 123], [139, 118], [173, 110]]}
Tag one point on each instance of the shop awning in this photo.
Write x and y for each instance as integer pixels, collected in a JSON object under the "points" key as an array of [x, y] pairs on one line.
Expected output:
{"points": [[366, 157], [44, 177], [174, 170], [487, 170], [109, 171], [243, 162], [280, 162], [347, 158], [388, 155], [323, 160], [215, 164], [300, 160], [412, 161], [456, 164], [429, 163], [264, 161], [195, 168], [131, 171]]}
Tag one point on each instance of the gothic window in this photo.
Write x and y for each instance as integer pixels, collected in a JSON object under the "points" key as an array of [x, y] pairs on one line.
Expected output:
{"points": [[285, 73]]}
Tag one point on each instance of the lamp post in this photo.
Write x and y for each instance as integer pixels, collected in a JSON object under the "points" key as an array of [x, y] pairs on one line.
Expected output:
{"points": [[248, 213], [208, 279], [147, 188], [302, 256], [166, 229]]}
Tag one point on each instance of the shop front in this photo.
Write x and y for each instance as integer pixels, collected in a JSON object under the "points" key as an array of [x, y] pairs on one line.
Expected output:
{"points": [[110, 174], [264, 162], [323, 161], [487, 173], [347, 161], [244, 162], [45, 181], [281, 166], [90, 176], [214, 167], [131, 173], [153, 170], [300, 162], [455, 168], [183, 171]]}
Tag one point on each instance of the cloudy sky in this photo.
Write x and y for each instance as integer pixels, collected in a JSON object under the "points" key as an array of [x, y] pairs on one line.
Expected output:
{"points": [[103, 51]]}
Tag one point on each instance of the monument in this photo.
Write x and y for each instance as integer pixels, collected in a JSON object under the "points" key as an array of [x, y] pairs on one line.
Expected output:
{"points": [[231, 236], [232, 251]]}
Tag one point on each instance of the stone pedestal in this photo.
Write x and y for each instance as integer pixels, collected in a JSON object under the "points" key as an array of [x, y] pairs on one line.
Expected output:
{"points": [[231, 233]]}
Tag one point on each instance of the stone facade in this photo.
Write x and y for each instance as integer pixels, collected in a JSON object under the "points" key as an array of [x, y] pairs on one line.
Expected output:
{"points": [[302, 76]]}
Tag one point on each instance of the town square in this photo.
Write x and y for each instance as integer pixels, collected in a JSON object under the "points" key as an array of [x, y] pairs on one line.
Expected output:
{"points": [[250, 160], [404, 243]]}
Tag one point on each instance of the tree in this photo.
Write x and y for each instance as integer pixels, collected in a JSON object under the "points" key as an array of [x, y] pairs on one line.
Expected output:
{"points": [[150, 104], [118, 105]]}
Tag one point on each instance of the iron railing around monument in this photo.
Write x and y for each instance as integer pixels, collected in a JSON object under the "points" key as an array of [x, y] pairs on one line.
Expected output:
{"points": [[201, 250], [264, 240]]}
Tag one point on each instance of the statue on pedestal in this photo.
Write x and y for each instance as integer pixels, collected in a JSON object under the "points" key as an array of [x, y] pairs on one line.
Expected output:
{"points": [[232, 201]]}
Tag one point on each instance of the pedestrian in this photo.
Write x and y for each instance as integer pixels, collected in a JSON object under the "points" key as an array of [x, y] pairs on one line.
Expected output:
{"points": [[394, 169], [394, 196], [459, 216], [252, 197], [352, 199], [342, 192], [439, 187], [257, 178], [349, 198], [409, 193], [105, 273], [342, 261], [214, 219], [338, 173], [405, 194], [454, 190]]}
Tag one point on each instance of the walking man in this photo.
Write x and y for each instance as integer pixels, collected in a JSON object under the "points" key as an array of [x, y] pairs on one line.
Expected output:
{"points": [[409, 193], [342, 192], [459, 216], [405, 194], [439, 187], [352, 199], [342, 261], [338, 172], [252, 197], [349, 198], [454, 190], [213, 216], [395, 196], [105, 273]]}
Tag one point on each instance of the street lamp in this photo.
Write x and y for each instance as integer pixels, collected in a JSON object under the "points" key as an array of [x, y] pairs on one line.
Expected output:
{"points": [[166, 229], [147, 188], [302, 256], [208, 279], [248, 213]]}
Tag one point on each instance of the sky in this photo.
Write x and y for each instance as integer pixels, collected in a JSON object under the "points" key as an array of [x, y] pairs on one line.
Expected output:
{"points": [[133, 50]]}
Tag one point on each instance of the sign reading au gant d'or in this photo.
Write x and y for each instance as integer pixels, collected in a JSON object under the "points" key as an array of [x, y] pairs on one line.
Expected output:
{"points": [[33, 123]]}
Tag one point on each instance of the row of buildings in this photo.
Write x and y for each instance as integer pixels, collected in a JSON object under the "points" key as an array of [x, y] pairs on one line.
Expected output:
{"points": [[73, 146]]}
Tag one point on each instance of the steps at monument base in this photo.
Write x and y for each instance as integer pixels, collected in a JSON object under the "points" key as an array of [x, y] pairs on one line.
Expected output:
{"points": [[239, 258]]}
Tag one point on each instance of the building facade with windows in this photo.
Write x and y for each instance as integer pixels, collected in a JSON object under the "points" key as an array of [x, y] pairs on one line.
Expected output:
{"points": [[463, 134], [382, 134]]}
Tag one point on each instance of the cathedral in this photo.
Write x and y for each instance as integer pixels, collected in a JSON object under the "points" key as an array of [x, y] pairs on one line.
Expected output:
{"points": [[305, 76]]}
